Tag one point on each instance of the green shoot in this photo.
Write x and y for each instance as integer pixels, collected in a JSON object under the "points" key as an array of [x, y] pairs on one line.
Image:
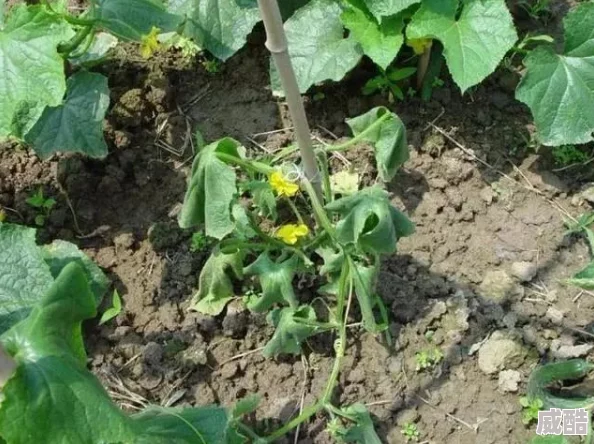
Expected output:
{"points": [[428, 358], [410, 432], [199, 242], [212, 66], [114, 310], [565, 155], [42, 205], [530, 409], [388, 82]]}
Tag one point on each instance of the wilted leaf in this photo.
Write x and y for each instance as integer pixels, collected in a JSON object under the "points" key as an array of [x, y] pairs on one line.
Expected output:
{"points": [[362, 430], [386, 132], [290, 332], [365, 280]]}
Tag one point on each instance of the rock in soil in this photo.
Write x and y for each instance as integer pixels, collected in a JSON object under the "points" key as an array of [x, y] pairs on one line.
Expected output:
{"points": [[499, 287], [524, 271], [500, 353], [509, 380], [560, 351]]}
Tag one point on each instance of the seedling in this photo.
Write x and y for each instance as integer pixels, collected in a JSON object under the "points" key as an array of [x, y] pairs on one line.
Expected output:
{"points": [[43, 206], [212, 66], [114, 310], [410, 432], [537, 9], [530, 409], [428, 358], [568, 155], [387, 82], [199, 242]]}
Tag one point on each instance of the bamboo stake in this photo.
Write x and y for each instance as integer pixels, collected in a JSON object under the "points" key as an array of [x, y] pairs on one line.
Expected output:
{"points": [[7, 366], [276, 42]]}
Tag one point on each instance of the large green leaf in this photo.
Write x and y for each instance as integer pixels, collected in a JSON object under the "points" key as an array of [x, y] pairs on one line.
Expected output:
{"points": [[276, 280], [132, 19], [362, 430], [211, 189], [24, 275], [383, 8], [559, 88], [60, 253], [474, 40], [318, 47], [32, 75], [77, 124], [370, 221], [53, 398], [291, 330], [220, 26], [380, 42], [386, 132], [215, 286]]}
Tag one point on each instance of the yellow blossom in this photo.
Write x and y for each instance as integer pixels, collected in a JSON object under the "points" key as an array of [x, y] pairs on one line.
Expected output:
{"points": [[290, 233], [149, 43], [282, 185], [419, 46]]}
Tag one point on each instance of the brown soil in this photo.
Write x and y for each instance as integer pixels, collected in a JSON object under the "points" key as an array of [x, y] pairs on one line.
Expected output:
{"points": [[481, 200]]}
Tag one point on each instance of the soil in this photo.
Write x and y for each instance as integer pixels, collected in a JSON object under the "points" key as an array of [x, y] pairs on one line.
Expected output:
{"points": [[481, 198]]}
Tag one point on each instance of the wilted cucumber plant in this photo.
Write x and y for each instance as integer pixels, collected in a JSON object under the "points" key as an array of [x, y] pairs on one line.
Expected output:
{"points": [[276, 218]]}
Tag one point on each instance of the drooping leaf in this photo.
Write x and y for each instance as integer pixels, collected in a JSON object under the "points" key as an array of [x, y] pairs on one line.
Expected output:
{"points": [[215, 286], [383, 8], [362, 430], [380, 41], [474, 40], [263, 198], [32, 75], [318, 48], [289, 333], [332, 258], [584, 279], [365, 280], [132, 19], [243, 229], [559, 88], [53, 398], [102, 43], [212, 186], [24, 275], [77, 124], [60, 253], [370, 221], [386, 132], [220, 26], [276, 281]]}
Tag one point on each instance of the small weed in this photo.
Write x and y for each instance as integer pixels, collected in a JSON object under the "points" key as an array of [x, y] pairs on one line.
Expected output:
{"points": [[388, 82], [42, 205], [536, 9], [199, 242], [568, 155], [211, 66], [410, 432], [114, 310], [428, 358], [530, 409]]}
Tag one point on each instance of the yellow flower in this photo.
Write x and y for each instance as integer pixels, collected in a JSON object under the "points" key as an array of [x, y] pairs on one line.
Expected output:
{"points": [[149, 43], [419, 46], [290, 233], [281, 185]]}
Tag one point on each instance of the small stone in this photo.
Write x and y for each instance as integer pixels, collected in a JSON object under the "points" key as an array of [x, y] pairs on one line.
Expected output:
{"points": [[229, 370], [487, 195], [499, 287], [509, 380], [499, 354], [407, 416], [193, 356], [560, 351], [152, 353], [554, 315], [524, 271], [576, 200], [588, 194], [124, 241]]}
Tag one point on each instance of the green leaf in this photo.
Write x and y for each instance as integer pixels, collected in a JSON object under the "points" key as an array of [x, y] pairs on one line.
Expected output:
{"points": [[36, 200], [77, 124], [32, 74], [132, 19], [215, 286], [53, 398], [385, 131], [211, 189], [559, 88], [475, 40], [24, 275], [317, 45], [290, 332], [365, 280], [362, 431], [583, 279], [370, 221], [380, 42], [220, 26], [276, 280], [243, 228], [102, 43], [383, 8], [333, 260], [112, 311], [264, 198], [246, 406], [60, 253]]}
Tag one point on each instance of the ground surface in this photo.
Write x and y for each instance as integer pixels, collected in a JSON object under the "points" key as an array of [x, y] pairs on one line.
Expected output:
{"points": [[481, 199]]}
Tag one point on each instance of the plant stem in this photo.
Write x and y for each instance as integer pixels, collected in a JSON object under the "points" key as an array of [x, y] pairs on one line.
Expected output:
{"points": [[295, 210], [360, 136], [319, 212], [423, 65], [276, 42], [251, 165], [80, 36], [247, 430], [323, 158], [304, 416]]}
